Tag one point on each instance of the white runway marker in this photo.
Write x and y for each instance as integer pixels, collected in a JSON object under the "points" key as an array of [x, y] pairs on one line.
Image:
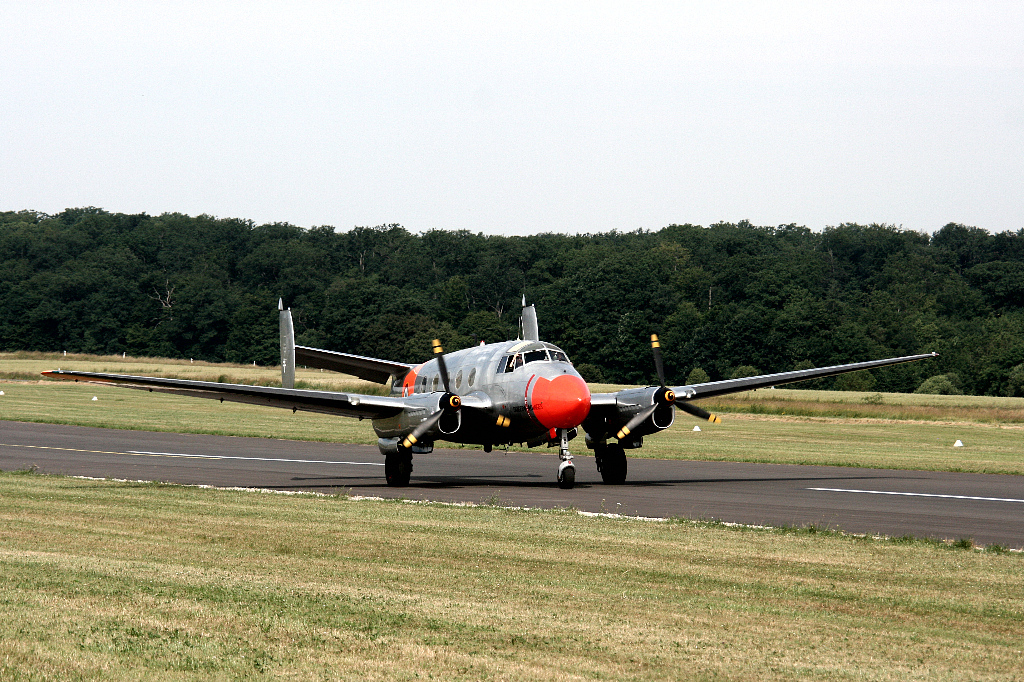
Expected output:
{"points": [[889, 492], [139, 453], [250, 459]]}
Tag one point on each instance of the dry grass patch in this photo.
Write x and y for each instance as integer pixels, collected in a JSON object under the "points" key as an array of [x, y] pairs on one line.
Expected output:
{"points": [[28, 365], [117, 581]]}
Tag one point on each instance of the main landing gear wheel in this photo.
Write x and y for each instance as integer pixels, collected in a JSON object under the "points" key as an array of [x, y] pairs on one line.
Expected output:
{"points": [[398, 469], [611, 462]]}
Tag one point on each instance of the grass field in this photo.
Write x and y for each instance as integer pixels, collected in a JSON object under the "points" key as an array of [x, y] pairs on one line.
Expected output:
{"points": [[117, 581], [780, 426]]}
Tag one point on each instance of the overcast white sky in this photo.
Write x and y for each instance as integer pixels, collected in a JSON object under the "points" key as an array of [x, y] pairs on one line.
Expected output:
{"points": [[516, 117]]}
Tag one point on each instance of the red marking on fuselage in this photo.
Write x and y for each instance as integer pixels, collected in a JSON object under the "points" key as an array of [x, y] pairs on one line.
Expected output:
{"points": [[409, 383], [526, 396]]}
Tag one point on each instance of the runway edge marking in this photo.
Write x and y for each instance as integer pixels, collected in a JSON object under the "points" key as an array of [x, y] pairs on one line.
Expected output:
{"points": [[889, 492]]}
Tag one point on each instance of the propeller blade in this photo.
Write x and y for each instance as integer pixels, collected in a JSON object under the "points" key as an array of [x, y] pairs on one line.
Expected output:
{"points": [[449, 403], [667, 396], [441, 366], [423, 427], [697, 412], [658, 364], [636, 421]]}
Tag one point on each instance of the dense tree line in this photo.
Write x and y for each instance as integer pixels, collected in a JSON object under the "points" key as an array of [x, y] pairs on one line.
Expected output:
{"points": [[728, 299]]}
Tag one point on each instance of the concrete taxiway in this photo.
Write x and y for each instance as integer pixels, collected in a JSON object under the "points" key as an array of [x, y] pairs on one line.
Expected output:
{"points": [[985, 508]]}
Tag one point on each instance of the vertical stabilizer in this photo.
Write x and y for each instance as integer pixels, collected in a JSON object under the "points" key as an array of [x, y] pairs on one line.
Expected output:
{"points": [[530, 329], [287, 346]]}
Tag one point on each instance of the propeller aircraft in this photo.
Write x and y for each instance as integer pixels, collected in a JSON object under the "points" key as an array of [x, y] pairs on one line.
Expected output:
{"points": [[522, 391]]}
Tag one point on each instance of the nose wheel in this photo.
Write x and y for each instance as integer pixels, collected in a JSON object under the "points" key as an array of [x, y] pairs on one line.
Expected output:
{"points": [[566, 469]]}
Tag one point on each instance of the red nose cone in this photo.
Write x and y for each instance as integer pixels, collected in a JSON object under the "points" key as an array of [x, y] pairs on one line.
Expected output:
{"points": [[561, 403]]}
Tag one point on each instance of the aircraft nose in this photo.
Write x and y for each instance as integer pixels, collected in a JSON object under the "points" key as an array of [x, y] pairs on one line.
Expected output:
{"points": [[560, 403]]}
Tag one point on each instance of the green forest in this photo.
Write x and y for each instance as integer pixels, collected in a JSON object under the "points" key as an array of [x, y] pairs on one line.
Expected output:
{"points": [[727, 299]]}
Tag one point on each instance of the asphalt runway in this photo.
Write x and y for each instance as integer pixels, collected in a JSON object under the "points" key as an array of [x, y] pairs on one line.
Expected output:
{"points": [[985, 508]]}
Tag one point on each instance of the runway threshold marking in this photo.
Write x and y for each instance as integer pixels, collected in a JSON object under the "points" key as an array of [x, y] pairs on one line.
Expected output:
{"points": [[182, 455], [889, 492]]}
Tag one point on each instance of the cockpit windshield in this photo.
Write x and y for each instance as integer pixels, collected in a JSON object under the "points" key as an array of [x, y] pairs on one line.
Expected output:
{"points": [[535, 355], [510, 363]]}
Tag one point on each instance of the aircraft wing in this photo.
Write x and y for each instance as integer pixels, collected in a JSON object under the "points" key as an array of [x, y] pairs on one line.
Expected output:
{"points": [[716, 388], [325, 402], [369, 369]]}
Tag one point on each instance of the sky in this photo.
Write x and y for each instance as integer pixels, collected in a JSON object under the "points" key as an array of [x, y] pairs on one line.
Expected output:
{"points": [[518, 117]]}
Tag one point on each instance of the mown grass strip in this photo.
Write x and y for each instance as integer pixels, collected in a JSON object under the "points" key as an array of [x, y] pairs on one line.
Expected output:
{"points": [[117, 581]]}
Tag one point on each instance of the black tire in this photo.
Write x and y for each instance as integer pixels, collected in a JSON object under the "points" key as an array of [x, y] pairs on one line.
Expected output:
{"points": [[567, 478], [398, 469], [612, 464]]}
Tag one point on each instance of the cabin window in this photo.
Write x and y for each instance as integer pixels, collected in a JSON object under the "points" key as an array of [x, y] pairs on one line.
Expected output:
{"points": [[472, 376], [519, 361], [433, 385], [559, 356], [458, 379]]}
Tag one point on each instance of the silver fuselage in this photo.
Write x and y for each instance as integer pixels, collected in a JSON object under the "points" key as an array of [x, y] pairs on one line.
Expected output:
{"points": [[504, 392]]}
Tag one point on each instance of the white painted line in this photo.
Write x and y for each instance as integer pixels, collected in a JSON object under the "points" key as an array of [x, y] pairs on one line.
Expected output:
{"points": [[888, 492], [249, 459]]}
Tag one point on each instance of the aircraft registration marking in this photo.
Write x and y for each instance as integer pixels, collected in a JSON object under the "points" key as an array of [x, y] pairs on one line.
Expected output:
{"points": [[183, 455], [889, 492]]}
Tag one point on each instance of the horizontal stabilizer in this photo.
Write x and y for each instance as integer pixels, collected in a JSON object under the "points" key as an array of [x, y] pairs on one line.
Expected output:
{"points": [[368, 369]]}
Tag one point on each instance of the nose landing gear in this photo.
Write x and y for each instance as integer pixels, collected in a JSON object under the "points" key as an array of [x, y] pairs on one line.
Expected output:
{"points": [[566, 470]]}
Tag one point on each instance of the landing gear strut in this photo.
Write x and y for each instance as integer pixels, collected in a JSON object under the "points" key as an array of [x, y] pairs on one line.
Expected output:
{"points": [[566, 470], [398, 468]]}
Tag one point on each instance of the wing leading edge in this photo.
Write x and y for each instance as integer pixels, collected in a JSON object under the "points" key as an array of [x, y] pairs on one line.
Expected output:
{"points": [[325, 402], [726, 386], [716, 388]]}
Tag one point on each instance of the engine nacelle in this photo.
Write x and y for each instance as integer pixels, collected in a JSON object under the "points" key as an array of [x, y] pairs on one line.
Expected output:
{"points": [[629, 403], [392, 446]]}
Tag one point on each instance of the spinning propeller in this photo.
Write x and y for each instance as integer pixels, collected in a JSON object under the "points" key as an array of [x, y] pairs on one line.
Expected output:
{"points": [[449, 402], [663, 396]]}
